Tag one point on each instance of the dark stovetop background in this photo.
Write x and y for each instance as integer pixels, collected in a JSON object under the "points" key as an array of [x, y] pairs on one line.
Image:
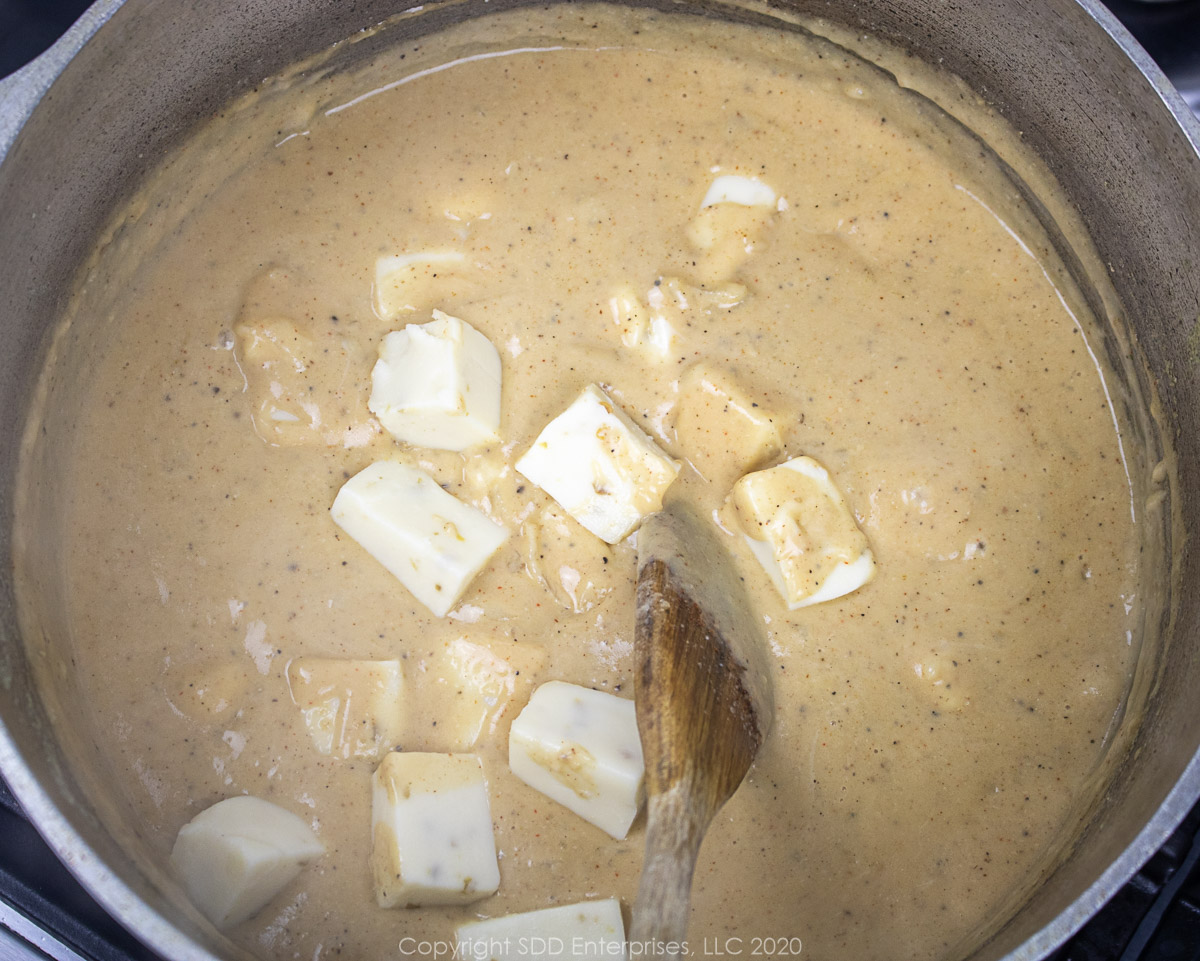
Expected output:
{"points": [[45, 914]]}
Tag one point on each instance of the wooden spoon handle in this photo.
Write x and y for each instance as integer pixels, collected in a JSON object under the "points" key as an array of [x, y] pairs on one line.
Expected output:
{"points": [[674, 830], [704, 703]]}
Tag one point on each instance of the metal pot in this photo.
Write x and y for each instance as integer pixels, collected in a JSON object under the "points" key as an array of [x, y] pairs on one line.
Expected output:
{"points": [[83, 123]]}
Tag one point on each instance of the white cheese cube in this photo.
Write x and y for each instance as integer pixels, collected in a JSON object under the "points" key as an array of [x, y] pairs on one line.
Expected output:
{"points": [[581, 748], [653, 328], [628, 316], [661, 334], [416, 281], [719, 426], [600, 466], [573, 565], [238, 854], [800, 528], [481, 684], [433, 542], [294, 400], [735, 189], [432, 839], [729, 226], [590, 929], [351, 708], [437, 385]]}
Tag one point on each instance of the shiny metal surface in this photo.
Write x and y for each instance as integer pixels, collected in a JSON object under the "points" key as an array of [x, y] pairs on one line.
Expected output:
{"points": [[82, 123], [1169, 30]]}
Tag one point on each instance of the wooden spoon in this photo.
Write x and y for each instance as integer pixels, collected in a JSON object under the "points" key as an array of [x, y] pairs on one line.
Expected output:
{"points": [[704, 705]]}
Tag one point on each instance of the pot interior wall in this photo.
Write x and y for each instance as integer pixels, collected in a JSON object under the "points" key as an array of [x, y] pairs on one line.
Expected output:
{"points": [[1127, 168]]}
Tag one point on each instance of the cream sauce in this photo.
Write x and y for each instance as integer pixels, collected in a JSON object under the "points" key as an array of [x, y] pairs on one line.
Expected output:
{"points": [[899, 319]]}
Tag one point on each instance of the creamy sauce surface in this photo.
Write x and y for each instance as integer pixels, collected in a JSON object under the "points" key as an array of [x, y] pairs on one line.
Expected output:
{"points": [[897, 318]]}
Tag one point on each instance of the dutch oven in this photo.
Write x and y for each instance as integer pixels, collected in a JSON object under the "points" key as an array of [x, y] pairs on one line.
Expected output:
{"points": [[81, 125]]}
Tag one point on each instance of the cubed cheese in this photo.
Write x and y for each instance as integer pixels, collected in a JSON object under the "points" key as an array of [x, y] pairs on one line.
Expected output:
{"points": [[464, 691], [721, 430], [736, 189], [800, 528], [652, 327], [409, 282], [575, 566], [600, 466], [437, 385], [209, 689], [433, 542], [666, 303], [276, 355], [432, 839], [351, 708], [237, 855], [590, 929], [652, 324], [295, 398], [728, 227], [581, 748], [945, 680], [490, 480], [628, 316]]}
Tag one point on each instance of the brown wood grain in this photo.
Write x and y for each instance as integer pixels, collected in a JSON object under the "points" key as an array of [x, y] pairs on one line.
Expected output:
{"points": [[703, 706]]}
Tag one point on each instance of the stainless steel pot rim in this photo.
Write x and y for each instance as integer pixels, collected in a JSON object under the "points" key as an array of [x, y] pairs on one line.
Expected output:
{"points": [[20, 92], [105, 886], [19, 96], [1183, 114], [1167, 818]]}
